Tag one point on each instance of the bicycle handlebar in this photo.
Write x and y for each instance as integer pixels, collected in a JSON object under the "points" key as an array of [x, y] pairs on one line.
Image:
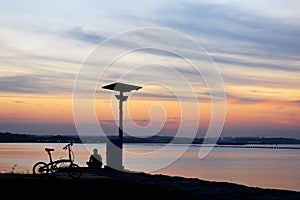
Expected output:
{"points": [[68, 145]]}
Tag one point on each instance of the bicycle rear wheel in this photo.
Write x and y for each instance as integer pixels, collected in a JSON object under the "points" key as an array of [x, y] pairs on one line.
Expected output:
{"points": [[74, 171], [40, 168]]}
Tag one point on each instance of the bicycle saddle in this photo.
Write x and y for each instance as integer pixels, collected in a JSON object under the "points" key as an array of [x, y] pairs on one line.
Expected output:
{"points": [[48, 149]]}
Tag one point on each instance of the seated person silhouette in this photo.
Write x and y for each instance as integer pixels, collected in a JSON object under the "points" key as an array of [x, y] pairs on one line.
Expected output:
{"points": [[95, 160]]}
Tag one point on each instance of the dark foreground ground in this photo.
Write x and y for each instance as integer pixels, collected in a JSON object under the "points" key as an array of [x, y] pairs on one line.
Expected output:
{"points": [[107, 184]]}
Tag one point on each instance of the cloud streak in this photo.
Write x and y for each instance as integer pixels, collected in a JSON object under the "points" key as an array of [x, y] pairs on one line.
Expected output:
{"points": [[33, 84], [230, 23], [79, 33]]}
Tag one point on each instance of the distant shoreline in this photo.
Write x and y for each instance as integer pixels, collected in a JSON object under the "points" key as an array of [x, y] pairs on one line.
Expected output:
{"points": [[8, 137]]}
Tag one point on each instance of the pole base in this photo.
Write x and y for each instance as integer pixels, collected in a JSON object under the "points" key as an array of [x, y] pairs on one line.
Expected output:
{"points": [[114, 154]]}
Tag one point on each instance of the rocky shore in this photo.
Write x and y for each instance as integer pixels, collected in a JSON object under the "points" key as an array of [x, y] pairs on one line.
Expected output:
{"points": [[107, 183]]}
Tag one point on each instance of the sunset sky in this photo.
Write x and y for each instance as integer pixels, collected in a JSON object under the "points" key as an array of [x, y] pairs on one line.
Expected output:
{"points": [[255, 44]]}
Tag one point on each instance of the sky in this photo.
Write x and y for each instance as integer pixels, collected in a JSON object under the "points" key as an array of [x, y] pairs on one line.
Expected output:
{"points": [[254, 45]]}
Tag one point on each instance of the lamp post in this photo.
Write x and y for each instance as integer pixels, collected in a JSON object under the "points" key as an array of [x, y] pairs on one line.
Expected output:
{"points": [[114, 148]]}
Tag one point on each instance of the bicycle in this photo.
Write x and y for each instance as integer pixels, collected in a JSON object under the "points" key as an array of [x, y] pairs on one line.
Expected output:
{"points": [[61, 165]]}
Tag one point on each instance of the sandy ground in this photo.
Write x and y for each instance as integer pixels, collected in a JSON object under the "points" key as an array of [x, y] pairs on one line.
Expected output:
{"points": [[106, 183]]}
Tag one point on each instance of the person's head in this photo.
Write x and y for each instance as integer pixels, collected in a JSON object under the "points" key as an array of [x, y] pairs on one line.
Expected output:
{"points": [[95, 151]]}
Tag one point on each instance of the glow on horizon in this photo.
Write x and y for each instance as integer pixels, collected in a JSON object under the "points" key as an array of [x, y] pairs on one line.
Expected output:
{"points": [[251, 116]]}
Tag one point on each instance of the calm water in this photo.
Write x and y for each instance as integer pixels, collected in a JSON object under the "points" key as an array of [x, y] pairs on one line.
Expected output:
{"points": [[267, 168]]}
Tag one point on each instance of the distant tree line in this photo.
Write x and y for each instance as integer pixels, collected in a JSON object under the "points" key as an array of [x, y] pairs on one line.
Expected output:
{"points": [[257, 140], [13, 137], [8, 137]]}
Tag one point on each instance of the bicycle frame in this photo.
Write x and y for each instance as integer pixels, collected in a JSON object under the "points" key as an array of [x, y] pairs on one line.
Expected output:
{"points": [[67, 147]]}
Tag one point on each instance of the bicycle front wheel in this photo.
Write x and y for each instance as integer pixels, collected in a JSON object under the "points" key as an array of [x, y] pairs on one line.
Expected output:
{"points": [[74, 171], [40, 168]]}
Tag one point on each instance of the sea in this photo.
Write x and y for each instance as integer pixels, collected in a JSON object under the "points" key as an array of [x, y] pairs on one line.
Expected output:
{"points": [[264, 166]]}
